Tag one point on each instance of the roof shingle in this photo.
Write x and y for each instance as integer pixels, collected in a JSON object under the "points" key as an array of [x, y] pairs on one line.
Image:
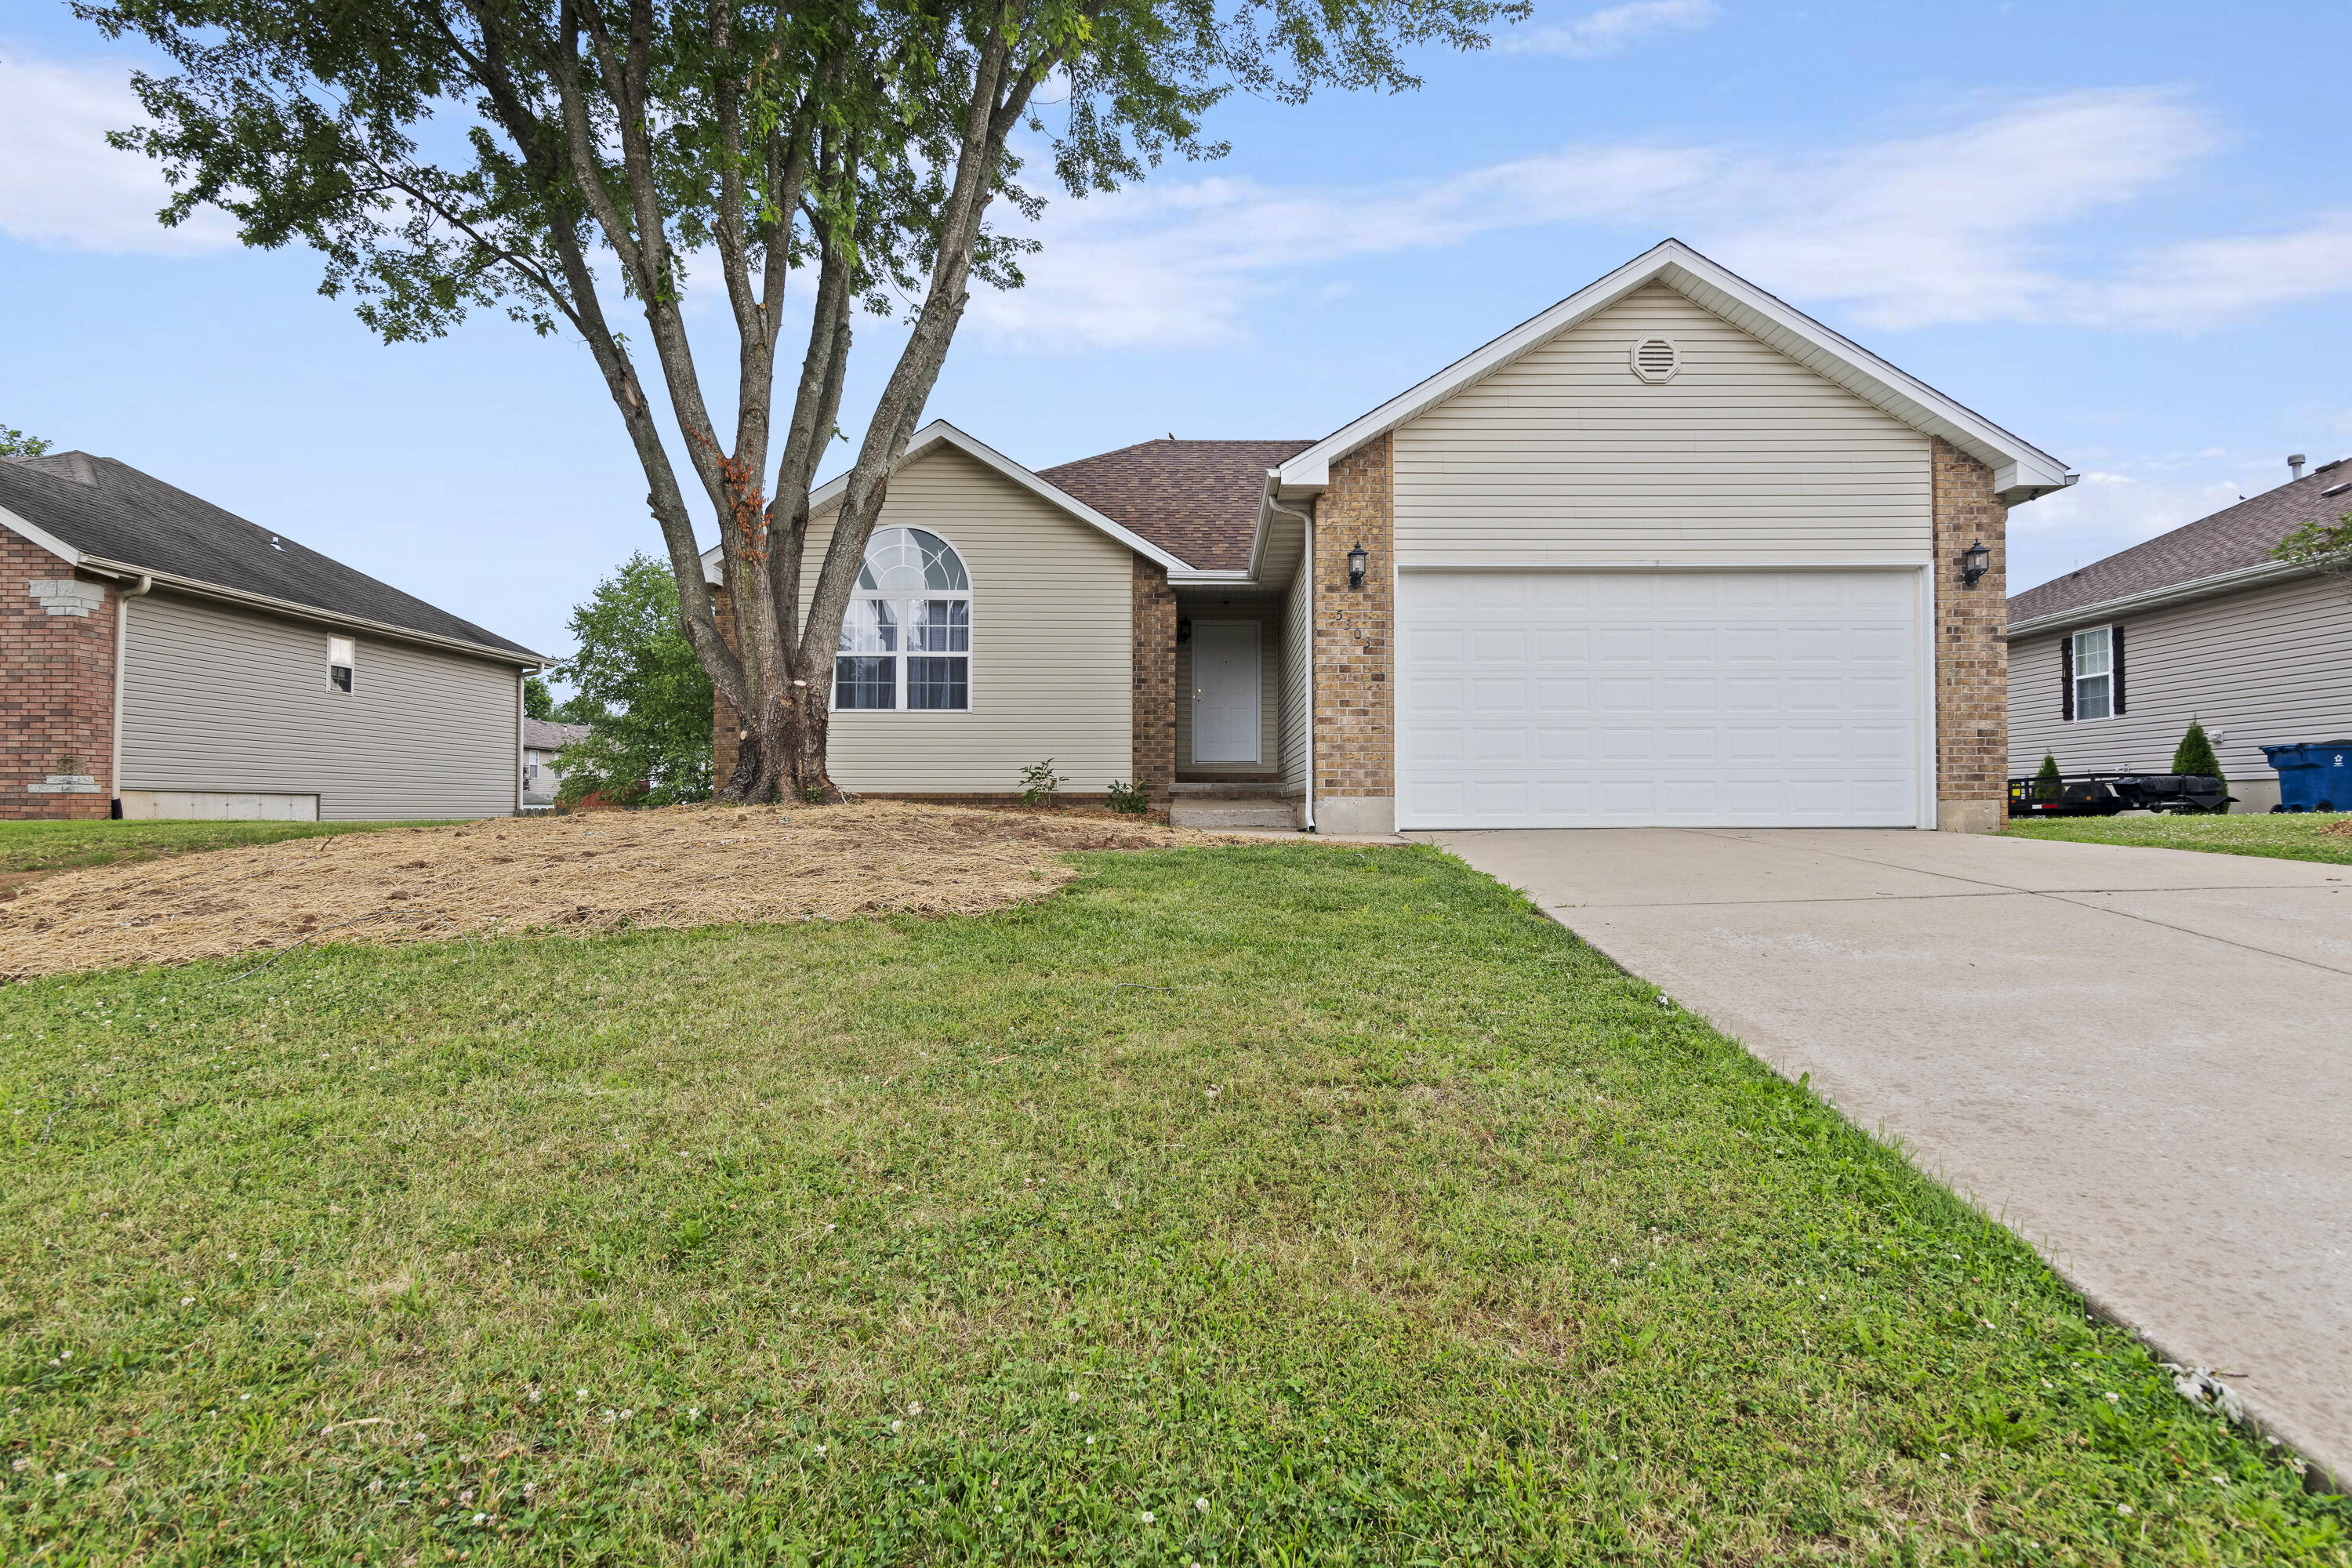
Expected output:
{"points": [[1196, 499], [2230, 540], [109, 509]]}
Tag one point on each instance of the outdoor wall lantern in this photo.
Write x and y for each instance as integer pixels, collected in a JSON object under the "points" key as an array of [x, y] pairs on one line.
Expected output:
{"points": [[1184, 629], [1975, 561], [1356, 567]]}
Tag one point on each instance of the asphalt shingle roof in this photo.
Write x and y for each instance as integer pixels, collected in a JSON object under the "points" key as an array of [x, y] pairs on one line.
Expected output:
{"points": [[545, 736], [1196, 499], [109, 509], [2230, 540]]}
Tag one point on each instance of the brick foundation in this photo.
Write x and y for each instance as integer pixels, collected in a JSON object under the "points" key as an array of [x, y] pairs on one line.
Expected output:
{"points": [[1971, 649], [56, 687], [1354, 643], [1152, 621]]}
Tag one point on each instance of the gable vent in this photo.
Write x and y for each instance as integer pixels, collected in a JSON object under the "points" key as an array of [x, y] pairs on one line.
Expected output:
{"points": [[1656, 359]]}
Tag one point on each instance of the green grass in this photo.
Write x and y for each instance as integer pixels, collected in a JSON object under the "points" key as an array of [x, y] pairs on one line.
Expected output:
{"points": [[1399, 1227], [55, 846], [2282, 836]]}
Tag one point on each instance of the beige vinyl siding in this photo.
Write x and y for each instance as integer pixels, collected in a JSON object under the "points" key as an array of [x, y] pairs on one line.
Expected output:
{"points": [[217, 700], [1051, 649], [2264, 665], [1266, 611], [1565, 457], [1297, 675]]}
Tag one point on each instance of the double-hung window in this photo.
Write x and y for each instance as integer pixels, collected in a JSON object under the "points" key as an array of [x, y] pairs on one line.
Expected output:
{"points": [[2095, 673], [341, 657], [907, 639]]}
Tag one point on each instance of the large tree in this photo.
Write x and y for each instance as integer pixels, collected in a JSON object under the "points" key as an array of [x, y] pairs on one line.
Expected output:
{"points": [[547, 155]]}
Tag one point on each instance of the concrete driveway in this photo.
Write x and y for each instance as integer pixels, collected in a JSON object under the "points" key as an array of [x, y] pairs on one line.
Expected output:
{"points": [[2140, 1059]]}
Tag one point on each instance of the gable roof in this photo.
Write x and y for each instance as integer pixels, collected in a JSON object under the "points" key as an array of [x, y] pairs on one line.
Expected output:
{"points": [[1197, 498], [939, 433], [106, 515], [2021, 470], [2230, 548], [546, 736]]}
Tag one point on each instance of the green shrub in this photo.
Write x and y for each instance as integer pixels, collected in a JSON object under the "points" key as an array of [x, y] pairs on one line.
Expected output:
{"points": [[2195, 755], [1133, 799], [2049, 782], [1039, 784]]}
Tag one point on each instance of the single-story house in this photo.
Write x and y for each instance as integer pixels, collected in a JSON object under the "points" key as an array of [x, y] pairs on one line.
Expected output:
{"points": [[2109, 664], [542, 740], [162, 658], [1670, 552]]}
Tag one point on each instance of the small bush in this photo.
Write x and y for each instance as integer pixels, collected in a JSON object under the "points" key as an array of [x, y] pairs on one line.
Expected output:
{"points": [[2195, 755], [1133, 799], [1039, 784], [2049, 784]]}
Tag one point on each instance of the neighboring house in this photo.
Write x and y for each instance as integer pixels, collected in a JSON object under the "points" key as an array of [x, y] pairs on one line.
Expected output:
{"points": [[2109, 664], [541, 739], [1670, 552], [160, 657]]}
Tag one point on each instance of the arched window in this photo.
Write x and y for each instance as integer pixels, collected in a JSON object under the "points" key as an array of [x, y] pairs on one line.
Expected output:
{"points": [[907, 639]]}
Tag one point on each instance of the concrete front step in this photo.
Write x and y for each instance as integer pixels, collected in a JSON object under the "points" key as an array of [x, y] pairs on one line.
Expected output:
{"points": [[1263, 812]]}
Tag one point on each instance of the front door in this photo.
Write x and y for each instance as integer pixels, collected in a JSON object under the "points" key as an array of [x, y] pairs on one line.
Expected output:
{"points": [[1225, 691]]}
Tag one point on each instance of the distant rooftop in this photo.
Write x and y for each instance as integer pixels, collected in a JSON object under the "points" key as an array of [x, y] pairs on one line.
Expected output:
{"points": [[107, 509]]}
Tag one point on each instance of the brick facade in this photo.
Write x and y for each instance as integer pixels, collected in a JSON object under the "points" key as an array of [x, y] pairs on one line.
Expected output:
{"points": [[56, 686], [1971, 648], [1354, 645], [1152, 622]]}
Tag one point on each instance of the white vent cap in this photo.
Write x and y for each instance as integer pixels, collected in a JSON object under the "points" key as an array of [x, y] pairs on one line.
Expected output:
{"points": [[1656, 359]]}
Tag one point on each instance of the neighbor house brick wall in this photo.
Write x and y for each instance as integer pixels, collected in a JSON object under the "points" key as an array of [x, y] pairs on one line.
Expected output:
{"points": [[57, 684], [1154, 625], [1355, 726], [1971, 647]]}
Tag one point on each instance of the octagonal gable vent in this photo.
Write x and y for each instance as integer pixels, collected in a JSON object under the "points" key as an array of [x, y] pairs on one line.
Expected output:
{"points": [[1656, 359]]}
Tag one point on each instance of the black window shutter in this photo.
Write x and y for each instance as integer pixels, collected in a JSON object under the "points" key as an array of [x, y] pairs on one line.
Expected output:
{"points": [[2117, 635], [2066, 678]]}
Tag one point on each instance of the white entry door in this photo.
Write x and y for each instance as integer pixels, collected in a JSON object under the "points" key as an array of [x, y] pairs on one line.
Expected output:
{"points": [[1778, 699], [1225, 692]]}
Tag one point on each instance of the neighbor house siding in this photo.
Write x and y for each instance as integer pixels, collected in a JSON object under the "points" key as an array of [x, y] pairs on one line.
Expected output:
{"points": [[1266, 611], [1052, 644], [220, 701], [1564, 456], [2264, 665]]}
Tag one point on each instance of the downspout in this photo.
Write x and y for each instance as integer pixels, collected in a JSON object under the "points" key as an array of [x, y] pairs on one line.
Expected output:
{"points": [[122, 597], [1306, 565]]}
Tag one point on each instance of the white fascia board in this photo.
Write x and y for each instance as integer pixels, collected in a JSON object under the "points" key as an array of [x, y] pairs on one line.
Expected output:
{"points": [[1189, 578], [521, 659], [2105, 610], [2029, 470], [198, 588], [40, 536], [828, 496]]}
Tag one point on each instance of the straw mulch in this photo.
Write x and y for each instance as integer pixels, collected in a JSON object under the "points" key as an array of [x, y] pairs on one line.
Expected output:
{"points": [[686, 866]]}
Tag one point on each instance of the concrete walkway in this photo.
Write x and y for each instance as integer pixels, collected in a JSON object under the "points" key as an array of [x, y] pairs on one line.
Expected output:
{"points": [[2140, 1059]]}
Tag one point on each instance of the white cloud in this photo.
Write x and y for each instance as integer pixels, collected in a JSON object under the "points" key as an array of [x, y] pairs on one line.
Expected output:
{"points": [[61, 185], [1965, 225], [1608, 30]]}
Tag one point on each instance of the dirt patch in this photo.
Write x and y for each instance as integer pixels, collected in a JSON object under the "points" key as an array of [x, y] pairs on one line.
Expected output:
{"points": [[688, 866]]}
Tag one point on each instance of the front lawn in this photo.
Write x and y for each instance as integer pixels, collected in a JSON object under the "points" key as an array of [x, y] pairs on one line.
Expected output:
{"points": [[1263, 1204], [2282, 836], [55, 846]]}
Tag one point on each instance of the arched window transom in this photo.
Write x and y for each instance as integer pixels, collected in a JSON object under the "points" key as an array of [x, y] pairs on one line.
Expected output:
{"points": [[907, 639]]}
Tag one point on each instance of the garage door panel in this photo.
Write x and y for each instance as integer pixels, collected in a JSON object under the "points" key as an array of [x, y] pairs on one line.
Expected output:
{"points": [[1551, 699]]}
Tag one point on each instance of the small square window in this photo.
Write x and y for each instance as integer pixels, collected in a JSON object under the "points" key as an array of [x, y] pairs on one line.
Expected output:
{"points": [[340, 660]]}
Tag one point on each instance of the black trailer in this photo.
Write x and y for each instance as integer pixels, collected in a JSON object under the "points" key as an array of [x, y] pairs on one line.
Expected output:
{"points": [[2105, 794]]}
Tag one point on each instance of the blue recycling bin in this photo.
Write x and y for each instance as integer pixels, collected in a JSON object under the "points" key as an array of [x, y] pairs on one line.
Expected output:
{"points": [[2313, 776]]}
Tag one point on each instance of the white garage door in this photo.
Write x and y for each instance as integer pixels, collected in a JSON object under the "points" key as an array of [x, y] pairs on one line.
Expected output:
{"points": [[1676, 699]]}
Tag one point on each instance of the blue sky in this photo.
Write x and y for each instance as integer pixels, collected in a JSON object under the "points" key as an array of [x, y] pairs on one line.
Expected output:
{"points": [[2122, 231]]}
